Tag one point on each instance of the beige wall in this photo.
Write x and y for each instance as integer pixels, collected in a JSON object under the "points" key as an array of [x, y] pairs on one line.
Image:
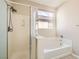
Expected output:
{"points": [[68, 22], [18, 40]]}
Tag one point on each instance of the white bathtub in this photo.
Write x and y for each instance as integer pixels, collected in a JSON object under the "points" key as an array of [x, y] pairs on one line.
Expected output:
{"points": [[49, 48], [61, 51], [46, 43]]}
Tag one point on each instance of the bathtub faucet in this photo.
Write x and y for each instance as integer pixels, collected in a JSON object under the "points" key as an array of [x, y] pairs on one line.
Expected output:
{"points": [[61, 39]]}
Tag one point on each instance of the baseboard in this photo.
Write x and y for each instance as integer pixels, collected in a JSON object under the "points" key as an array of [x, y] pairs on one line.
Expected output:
{"points": [[76, 56]]}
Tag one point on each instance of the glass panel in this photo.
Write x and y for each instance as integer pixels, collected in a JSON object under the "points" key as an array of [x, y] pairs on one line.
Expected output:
{"points": [[3, 30], [45, 23], [44, 13], [45, 20]]}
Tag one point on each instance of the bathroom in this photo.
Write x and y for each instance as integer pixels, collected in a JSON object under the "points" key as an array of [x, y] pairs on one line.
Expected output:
{"points": [[39, 29]]}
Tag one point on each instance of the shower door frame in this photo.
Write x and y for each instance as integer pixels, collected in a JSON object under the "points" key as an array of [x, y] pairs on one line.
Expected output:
{"points": [[34, 20], [33, 39]]}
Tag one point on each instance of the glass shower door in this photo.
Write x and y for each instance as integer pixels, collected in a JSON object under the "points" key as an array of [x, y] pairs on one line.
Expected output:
{"points": [[3, 30]]}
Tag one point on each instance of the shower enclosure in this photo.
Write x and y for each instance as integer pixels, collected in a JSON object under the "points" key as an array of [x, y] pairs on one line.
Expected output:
{"points": [[21, 33], [18, 29], [15, 31]]}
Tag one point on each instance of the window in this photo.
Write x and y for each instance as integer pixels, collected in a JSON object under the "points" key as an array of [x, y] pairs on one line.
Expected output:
{"points": [[44, 20], [43, 25]]}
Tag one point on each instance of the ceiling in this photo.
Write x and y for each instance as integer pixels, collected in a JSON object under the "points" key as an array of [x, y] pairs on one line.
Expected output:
{"points": [[51, 3]]}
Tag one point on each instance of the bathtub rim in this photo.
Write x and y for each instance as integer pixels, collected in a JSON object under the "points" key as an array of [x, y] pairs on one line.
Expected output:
{"points": [[61, 47]]}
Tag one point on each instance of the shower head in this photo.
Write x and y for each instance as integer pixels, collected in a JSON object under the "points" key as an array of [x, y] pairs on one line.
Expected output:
{"points": [[12, 9]]}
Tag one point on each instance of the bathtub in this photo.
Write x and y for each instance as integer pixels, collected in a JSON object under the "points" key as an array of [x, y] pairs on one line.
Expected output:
{"points": [[59, 52], [48, 48]]}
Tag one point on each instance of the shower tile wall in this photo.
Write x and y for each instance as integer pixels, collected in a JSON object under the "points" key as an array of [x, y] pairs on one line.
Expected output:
{"points": [[18, 42]]}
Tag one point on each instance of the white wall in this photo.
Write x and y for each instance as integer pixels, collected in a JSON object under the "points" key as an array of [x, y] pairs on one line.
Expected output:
{"points": [[68, 22], [3, 30]]}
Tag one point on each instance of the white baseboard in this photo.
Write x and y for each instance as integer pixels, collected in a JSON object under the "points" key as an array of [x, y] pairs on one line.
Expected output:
{"points": [[76, 56]]}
